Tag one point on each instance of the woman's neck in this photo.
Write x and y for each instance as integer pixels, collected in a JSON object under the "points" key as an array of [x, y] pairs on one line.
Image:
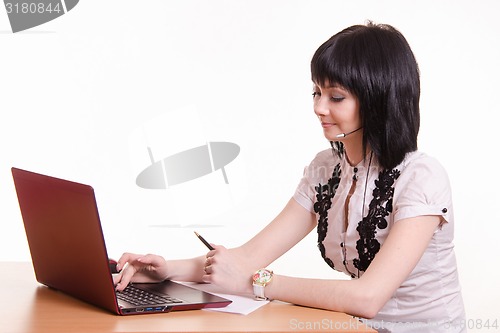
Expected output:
{"points": [[355, 154]]}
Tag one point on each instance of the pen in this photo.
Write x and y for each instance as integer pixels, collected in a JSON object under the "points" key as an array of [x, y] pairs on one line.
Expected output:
{"points": [[210, 247]]}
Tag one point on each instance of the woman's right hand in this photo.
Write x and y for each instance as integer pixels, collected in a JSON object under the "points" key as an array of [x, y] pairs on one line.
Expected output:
{"points": [[139, 268]]}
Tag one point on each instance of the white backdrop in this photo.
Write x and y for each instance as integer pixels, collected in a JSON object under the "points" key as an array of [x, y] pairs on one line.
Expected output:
{"points": [[84, 95]]}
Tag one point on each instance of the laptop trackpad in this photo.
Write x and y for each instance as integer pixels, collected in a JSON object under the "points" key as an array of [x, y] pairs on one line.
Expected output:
{"points": [[179, 291]]}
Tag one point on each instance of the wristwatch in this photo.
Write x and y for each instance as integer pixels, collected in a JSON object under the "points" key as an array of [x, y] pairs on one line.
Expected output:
{"points": [[260, 279]]}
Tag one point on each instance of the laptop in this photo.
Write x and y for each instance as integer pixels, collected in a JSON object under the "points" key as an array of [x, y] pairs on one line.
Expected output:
{"points": [[69, 253]]}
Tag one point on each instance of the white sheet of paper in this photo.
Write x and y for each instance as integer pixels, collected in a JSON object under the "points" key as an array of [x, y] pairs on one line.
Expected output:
{"points": [[242, 304]]}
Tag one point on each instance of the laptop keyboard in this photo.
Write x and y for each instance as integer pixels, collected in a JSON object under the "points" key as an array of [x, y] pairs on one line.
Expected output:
{"points": [[140, 297]]}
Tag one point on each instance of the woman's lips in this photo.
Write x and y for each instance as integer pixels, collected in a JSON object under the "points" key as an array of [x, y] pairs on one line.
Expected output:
{"points": [[326, 125]]}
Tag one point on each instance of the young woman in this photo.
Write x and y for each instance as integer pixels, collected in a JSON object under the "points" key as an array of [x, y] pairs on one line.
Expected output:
{"points": [[382, 209]]}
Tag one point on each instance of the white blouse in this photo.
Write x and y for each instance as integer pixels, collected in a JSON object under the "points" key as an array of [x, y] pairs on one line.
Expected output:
{"points": [[356, 208]]}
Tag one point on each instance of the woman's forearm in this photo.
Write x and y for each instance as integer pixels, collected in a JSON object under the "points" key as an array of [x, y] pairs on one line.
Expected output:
{"points": [[337, 295], [186, 269]]}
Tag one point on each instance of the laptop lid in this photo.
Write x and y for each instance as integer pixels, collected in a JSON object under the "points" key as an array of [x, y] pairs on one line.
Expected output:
{"points": [[67, 245]]}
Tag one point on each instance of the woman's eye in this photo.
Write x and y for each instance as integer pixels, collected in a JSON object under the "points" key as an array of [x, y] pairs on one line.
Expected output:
{"points": [[334, 98], [338, 98]]}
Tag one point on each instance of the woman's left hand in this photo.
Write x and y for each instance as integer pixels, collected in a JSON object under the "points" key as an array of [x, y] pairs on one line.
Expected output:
{"points": [[228, 269]]}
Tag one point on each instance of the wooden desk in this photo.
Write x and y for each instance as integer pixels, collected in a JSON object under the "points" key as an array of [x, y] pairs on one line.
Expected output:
{"points": [[30, 307]]}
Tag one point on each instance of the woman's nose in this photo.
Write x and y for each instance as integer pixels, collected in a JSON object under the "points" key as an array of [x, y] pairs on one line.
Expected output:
{"points": [[320, 107]]}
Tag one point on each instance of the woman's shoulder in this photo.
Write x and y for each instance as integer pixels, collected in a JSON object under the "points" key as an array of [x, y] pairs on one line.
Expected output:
{"points": [[325, 155], [421, 161], [419, 169], [325, 158], [322, 165]]}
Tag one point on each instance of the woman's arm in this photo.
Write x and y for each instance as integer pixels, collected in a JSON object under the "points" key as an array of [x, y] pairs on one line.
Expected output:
{"points": [[286, 230], [232, 269], [154, 268], [365, 296]]}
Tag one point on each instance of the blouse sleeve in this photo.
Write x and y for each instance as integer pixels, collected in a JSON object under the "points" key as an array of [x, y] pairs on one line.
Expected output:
{"points": [[425, 190], [318, 171]]}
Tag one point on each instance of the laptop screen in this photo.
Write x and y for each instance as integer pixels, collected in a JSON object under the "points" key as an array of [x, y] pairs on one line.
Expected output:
{"points": [[65, 237]]}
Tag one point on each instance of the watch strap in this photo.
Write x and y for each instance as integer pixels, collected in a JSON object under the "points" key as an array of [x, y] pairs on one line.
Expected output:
{"points": [[258, 292]]}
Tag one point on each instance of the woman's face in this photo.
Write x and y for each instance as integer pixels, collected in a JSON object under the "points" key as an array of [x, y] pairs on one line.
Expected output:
{"points": [[337, 110]]}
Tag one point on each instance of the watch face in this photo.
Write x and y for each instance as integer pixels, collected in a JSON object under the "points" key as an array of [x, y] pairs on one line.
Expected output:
{"points": [[262, 276]]}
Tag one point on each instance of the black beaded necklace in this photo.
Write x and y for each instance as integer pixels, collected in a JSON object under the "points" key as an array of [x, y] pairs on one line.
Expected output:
{"points": [[342, 244]]}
